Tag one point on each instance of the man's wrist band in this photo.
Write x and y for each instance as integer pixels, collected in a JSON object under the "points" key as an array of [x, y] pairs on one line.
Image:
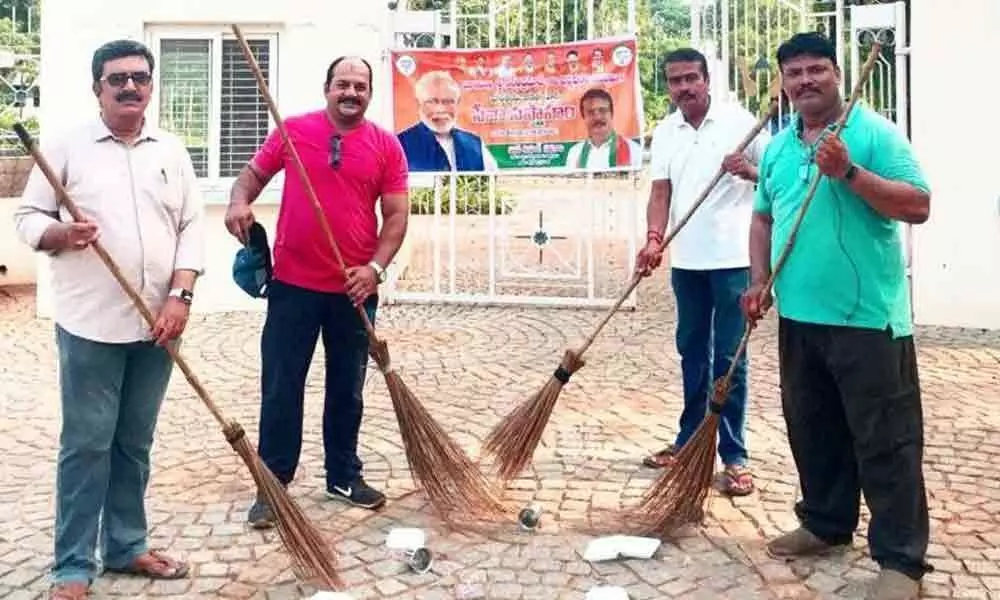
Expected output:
{"points": [[379, 271], [851, 172]]}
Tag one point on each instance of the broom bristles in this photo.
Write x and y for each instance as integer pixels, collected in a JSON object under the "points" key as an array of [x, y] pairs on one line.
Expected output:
{"points": [[513, 441], [452, 482], [313, 559], [678, 496]]}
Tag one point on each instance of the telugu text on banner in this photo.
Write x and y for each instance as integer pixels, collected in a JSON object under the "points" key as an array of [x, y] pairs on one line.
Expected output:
{"points": [[562, 107]]}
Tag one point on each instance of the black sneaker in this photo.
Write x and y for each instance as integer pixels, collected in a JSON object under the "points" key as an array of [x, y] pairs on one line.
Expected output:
{"points": [[260, 515], [358, 493]]}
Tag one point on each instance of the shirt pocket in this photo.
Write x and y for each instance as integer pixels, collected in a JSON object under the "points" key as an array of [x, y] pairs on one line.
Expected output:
{"points": [[159, 185]]}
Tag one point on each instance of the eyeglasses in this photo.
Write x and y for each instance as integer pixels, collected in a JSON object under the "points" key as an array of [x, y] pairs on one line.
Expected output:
{"points": [[335, 143], [120, 79]]}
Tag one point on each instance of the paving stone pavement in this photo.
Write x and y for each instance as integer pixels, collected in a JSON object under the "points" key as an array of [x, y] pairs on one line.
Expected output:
{"points": [[470, 366]]}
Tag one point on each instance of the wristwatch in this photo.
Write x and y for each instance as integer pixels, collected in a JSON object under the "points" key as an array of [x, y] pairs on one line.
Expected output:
{"points": [[851, 172], [185, 296], [379, 271]]}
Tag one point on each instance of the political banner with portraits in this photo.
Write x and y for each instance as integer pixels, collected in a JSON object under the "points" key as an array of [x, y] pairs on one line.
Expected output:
{"points": [[562, 107]]}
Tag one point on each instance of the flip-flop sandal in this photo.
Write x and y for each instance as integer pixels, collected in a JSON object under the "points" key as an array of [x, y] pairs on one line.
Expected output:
{"points": [[662, 459], [175, 569], [737, 481]]}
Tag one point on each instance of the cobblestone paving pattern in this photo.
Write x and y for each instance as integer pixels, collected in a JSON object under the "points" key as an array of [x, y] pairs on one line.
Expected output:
{"points": [[470, 366]]}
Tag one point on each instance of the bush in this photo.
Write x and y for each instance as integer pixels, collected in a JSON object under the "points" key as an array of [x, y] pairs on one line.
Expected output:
{"points": [[10, 146], [472, 195]]}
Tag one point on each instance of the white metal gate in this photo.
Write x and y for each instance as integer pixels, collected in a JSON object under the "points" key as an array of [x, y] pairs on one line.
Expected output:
{"points": [[741, 38], [508, 239], [887, 90]]}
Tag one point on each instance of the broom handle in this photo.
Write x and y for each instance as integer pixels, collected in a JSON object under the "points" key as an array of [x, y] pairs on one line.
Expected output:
{"points": [[63, 197], [636, 278], [783, 257], [317, 207]]}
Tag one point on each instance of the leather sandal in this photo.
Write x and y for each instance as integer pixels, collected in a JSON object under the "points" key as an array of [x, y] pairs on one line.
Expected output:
{"points": [[172, 569], [737, 481], [662, 459]]}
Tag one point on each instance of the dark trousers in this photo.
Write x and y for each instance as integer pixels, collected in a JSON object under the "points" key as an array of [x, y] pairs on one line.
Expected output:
{"points": [[295, 319], [710, 324], [851, 399]]}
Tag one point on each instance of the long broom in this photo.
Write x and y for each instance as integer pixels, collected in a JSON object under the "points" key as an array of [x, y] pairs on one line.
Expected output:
{"points": [[513, 441], [451, 480], [678, 496], [312, 556]]}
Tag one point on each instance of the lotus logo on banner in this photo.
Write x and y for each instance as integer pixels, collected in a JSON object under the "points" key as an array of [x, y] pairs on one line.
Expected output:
{"points": [[406, 65], [621, 56]]}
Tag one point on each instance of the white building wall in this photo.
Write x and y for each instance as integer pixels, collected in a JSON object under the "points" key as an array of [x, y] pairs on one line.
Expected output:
{"points": [[18, 261], [956, 255], [954, 128], [310, 35]]}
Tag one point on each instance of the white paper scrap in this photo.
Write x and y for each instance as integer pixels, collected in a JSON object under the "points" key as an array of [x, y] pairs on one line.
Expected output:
{"points": [[406, 538], [606, 592], [615, 546]]}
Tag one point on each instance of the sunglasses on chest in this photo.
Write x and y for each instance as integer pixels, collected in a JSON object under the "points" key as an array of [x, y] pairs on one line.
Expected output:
{"points": [[336, 142]]}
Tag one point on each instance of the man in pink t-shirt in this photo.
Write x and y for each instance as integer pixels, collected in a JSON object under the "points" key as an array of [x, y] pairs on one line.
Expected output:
{"points": [[352, 163]]}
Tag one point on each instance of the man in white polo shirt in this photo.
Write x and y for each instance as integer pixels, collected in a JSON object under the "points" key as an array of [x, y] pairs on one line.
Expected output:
{"points": [[709, 258]]}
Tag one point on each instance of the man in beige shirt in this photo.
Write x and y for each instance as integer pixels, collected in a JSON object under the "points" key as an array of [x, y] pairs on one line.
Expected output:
{"points": [[137, 187]]}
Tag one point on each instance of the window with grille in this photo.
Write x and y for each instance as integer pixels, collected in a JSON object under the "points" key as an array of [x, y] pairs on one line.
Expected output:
{"points": [[185, 95], [208, 96], [243, 114]]}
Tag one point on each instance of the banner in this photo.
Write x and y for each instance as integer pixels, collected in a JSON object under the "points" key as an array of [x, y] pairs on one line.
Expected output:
{"points": [[554, 108]]}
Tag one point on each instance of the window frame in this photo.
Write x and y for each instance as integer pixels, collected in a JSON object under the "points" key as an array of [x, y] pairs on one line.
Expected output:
{"points": [[215, 34]]}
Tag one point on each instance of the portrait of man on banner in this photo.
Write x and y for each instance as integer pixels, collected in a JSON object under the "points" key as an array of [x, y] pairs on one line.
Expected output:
{"points": [[567, 107], [435, 142], [604, 147]]}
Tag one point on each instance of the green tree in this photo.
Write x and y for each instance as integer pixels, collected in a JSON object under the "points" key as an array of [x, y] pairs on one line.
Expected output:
{"points": [[20, 46], [18, 77], [20, 6], [664, 25]]}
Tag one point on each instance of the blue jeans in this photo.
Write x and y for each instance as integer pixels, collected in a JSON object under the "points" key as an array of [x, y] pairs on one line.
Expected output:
{"points": [[710, 324], [295, 318], [111, 396]]}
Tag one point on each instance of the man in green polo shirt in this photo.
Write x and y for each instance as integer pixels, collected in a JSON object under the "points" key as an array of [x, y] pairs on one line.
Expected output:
{"points": [[850, 389]]}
